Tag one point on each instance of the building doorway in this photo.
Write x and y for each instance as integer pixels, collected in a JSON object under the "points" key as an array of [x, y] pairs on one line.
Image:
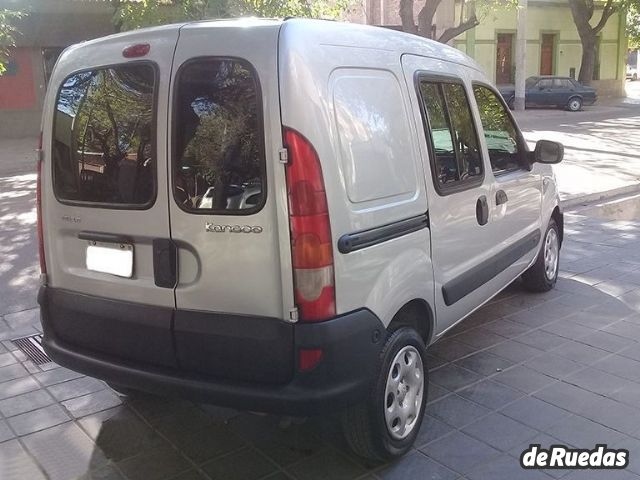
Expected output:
{"points": [[504, 60], [547, 53]]}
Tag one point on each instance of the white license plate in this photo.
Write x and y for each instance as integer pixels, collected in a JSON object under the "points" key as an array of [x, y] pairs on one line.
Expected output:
{"points": [[112, 258]]}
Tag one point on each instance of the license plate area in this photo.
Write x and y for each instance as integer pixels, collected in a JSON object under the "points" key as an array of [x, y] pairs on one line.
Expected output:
{"points": [[111, 258]]}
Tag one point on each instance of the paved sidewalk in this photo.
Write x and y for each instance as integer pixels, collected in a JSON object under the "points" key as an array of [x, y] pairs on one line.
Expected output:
{"points": [[562, 367]]}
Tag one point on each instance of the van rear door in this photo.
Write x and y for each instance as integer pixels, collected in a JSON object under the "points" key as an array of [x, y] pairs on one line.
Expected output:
{"points": [[228, 207], [105, 196]]}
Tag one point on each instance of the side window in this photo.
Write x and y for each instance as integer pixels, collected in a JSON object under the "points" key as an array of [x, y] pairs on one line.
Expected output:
{"points": [[457, 160], [218, 162], [561, 84], [499, 131], [545, 83], [104, 130]]}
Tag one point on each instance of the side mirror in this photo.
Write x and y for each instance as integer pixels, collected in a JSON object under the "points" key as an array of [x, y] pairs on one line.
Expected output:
{"points": [[548, 152]]}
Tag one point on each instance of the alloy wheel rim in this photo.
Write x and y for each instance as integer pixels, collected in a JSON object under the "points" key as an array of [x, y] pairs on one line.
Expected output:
{"points": [[575, 104], [551, 250], [403, 393]]}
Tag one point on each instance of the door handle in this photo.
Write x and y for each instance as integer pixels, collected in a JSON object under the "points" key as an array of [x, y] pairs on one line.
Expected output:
{"points": [[501, 197], [482, 210], [165, 263]]}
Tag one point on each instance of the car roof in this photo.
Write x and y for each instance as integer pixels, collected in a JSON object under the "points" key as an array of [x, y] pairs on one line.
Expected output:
{"points": [[541, 77], [325, 32]]}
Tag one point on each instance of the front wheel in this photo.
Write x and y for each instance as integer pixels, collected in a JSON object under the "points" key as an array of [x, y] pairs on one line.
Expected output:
{"points": [[542, 275], [385, 425], [574, 104]]}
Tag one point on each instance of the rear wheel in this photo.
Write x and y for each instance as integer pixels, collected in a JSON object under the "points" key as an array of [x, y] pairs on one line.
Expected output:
{"points": [[123, 391], [542, 275], [574, 104], [386, 424]]}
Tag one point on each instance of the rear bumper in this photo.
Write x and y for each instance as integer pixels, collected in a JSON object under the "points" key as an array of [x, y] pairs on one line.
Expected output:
{"points": [[351, 346]]}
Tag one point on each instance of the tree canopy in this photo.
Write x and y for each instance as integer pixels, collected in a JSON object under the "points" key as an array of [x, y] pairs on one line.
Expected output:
{"points": [[8, 34], [129, 15]]}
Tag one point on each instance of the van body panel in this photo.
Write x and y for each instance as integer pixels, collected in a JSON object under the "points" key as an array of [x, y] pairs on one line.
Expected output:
{"points": [[220, 269], [473, 262], [65, 251], [367, 148]]}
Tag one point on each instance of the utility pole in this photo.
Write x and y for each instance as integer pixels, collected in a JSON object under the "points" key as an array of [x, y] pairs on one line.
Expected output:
{"points": [[521, 54]]}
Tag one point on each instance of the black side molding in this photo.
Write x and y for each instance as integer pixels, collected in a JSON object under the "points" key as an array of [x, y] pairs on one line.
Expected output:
{"points": [[351, 242], [466, 283]]}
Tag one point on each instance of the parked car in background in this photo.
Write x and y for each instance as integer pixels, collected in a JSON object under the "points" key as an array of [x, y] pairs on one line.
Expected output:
{"points": [[550, 91]]}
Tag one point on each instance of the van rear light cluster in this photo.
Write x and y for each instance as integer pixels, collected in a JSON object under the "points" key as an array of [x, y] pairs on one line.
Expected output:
{"points": [[311, 250], [43, 264]]}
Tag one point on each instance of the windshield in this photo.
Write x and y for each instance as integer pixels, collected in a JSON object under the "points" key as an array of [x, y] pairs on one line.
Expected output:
{"points": [[530, 82]]}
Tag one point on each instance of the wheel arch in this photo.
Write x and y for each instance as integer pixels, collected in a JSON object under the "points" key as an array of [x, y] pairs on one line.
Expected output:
{"points": [[416, 314]]}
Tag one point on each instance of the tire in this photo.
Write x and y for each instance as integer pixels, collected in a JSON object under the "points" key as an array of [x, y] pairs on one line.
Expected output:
{"points": [[124, 391], [541, 276], [574, 104], [365, 424], [634, 77]]}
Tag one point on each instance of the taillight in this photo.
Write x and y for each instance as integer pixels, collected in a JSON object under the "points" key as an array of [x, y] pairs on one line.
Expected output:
{"points": [[311, 250], [43, 263]]}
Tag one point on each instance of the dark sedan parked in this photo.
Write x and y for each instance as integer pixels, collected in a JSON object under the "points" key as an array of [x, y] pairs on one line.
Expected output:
{"points": [[560, 92]]}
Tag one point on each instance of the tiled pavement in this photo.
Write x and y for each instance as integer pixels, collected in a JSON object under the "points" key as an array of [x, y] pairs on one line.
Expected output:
{"points": [[562, 367]]}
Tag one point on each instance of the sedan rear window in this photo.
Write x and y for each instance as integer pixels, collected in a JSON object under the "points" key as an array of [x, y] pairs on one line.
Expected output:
{"points": [[218, 163], [104, 128]]}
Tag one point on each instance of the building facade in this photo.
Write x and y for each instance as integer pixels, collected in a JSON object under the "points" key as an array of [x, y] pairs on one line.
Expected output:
{"points": [[49, 27], [553, 44]]}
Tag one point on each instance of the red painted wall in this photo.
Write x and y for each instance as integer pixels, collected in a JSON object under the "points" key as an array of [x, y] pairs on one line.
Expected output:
{"points": [[17, 91]]}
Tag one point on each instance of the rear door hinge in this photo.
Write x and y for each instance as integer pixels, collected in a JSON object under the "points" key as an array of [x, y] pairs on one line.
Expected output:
{"points": [[284, 156], [293, 315]]}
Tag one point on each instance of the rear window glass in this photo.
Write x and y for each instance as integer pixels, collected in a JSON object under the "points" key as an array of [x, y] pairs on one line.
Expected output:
{"points": [[104, 126], [219, 145]]}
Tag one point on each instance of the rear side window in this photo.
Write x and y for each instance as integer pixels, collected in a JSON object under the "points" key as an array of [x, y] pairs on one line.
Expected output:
{"points": [[457, 160], [104, 129], [218, 161]]}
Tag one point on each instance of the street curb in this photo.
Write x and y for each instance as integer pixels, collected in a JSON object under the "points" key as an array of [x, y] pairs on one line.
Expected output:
{"points": [[578, 201]]}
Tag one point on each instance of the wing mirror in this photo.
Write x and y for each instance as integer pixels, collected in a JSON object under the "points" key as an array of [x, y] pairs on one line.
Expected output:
{"points": [[548, 152]]}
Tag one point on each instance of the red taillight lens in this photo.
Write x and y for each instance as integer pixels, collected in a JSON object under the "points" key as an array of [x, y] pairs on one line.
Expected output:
{"points": [[311, 249], [43, 264], [308, 358], [135, 51]]}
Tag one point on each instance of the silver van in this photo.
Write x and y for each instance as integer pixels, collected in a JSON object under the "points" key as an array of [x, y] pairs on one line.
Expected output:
{"points": [[281, 216]]}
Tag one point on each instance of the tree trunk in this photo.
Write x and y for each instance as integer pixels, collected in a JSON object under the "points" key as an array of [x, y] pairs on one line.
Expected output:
{"points": [[582, 11], [588, 62], [406, 16], [453, 32]]}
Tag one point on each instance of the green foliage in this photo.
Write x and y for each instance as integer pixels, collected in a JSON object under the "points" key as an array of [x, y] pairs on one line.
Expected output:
{"points": [[136, 14], [130, 15], [633, 24], [290, 8], [8, 34]]}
